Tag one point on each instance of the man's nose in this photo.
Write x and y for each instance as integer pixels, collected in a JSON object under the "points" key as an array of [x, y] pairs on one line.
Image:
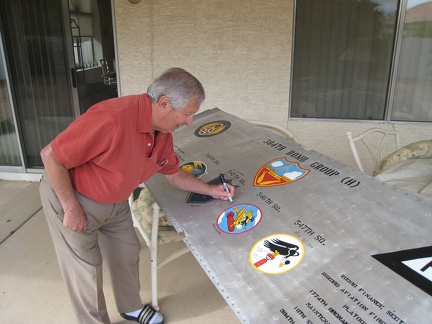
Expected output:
{"points": [[189, 121]]}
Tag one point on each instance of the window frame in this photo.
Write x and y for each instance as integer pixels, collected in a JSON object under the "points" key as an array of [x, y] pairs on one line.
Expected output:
{"points": [[391, 81]]}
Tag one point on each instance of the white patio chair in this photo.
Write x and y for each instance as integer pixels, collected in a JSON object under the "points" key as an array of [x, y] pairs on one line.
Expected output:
{"points": [[375, 139], [276, 128], [156, 229]]}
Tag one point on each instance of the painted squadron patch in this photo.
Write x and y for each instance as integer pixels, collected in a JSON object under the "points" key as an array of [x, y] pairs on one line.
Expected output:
{"points": [[196, 198], [213, 128], [277, 253], [415, 265], [279, 172], [239, 219], [196, 168]]}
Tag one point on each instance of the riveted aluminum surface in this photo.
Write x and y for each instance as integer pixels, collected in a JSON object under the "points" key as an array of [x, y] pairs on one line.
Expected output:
{"points": [[343, 218]]}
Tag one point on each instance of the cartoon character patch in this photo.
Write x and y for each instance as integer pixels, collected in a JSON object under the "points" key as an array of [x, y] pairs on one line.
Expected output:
{"points": [[277, 253], [239, 219], [196, 168], [279, 172], [213, 128]]}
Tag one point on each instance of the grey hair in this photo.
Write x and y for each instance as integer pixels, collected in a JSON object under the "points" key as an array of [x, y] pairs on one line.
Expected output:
{"points": [[179, 86]]}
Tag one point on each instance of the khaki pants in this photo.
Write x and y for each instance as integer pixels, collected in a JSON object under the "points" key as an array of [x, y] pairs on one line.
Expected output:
{"points": [[110, 235]]}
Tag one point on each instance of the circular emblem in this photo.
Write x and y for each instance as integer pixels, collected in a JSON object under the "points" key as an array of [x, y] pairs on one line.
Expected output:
{"points": [[213, 128], [277, 253], [239, 219]]}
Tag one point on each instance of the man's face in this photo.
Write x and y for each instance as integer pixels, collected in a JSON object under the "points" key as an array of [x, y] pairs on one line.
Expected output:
{"points": [[168, 120]]}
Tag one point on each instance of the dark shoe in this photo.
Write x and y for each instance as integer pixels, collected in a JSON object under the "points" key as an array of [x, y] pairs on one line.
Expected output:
{"points": [[148, 315]]}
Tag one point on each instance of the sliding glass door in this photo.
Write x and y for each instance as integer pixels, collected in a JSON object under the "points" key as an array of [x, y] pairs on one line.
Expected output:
{"points": [[39, 57], [10, 152]]}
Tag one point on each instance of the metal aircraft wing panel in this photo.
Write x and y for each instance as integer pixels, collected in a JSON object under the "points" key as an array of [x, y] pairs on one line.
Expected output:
{"points": [[347, 246]]}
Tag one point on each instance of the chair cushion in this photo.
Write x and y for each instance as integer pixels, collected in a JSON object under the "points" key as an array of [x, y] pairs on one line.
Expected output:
{"points": [[142, 208], [143, 212], [417, 150], [166, 234], [412, 175]]}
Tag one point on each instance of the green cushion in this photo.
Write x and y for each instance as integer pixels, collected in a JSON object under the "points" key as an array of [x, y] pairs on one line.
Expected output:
{"points": [[142, 210], [417, 150]]}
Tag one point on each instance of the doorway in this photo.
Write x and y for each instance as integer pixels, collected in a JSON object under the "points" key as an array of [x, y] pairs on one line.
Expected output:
{"points": [[47, 87], [93, 43]]}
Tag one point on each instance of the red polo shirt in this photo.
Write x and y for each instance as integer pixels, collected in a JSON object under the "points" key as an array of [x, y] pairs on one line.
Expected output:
{"points": [[111, 149]]}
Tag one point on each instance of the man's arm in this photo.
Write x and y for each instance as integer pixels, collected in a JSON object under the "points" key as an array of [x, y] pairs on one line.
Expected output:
{"points": [[74, 216], [186, 181]]}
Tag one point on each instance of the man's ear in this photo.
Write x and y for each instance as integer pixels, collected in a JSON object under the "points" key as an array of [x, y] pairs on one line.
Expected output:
{"points": [[164, 102]]}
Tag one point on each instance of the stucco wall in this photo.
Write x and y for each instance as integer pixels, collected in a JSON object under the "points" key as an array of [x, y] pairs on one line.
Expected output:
{"points": [[240, 50]]}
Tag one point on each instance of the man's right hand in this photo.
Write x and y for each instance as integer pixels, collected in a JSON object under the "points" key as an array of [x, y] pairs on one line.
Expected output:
{"points": [[74, 216], [75, 220]]}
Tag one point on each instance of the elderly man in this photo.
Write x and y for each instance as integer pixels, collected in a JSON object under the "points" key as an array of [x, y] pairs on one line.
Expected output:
{"points": [[91, 169]]}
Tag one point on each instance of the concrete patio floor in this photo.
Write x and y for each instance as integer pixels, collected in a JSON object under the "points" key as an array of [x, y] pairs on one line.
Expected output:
{"points": [[32, 290]]}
